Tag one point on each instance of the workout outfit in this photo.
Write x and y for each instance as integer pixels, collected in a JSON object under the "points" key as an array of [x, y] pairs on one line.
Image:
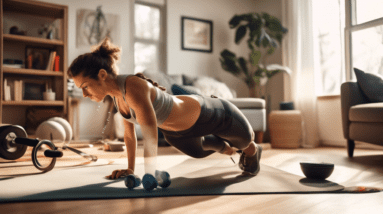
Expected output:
{"points": [[219, 121]]}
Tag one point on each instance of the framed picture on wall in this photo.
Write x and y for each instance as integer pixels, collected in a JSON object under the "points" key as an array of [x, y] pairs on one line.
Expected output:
{"points": [[196, 34]]}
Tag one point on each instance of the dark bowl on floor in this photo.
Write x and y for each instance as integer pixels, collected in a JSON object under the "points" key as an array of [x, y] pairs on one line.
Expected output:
{"points": [[319, 171]]}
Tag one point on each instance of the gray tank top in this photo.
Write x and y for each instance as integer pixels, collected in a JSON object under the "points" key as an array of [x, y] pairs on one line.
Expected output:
{"points": [[162, 104]]}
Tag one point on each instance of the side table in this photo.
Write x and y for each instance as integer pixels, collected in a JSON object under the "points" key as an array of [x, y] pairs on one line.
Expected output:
{"points": [[285, 128]]}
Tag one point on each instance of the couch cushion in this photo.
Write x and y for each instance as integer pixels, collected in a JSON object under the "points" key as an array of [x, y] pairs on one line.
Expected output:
{"points": [[164, 80], [371, 85], [248, 103], [371, 112], [209, 86]]}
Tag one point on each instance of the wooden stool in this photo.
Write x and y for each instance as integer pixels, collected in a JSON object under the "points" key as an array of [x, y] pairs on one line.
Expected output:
{"points": [[285, 128]]}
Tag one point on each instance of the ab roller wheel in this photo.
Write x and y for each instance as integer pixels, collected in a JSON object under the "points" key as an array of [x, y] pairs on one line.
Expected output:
{"points": [[14, 143], [47, 159]]}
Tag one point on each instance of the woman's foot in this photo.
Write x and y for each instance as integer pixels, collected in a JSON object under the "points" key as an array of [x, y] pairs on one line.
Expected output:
{"points": [[250, 164]]}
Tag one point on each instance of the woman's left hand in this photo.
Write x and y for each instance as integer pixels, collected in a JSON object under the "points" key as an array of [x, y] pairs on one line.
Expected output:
{"points": [[120, 173]]}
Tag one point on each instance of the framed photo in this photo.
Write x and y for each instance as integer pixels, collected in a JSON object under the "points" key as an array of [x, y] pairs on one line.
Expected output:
{"points": [[36, 57], [33, 89], [196, 34]]}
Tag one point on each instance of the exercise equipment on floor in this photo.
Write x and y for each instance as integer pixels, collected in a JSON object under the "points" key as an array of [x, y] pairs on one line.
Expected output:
{"points": [[132, 181], [162, 179], [14, 142]]}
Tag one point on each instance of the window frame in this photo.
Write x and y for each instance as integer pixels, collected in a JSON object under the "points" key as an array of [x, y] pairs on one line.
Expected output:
{"points": [[351, 27], [161, 43]]}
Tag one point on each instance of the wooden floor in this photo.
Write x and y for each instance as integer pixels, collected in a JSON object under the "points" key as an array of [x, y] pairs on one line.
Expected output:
{"points": [[365, 169]]}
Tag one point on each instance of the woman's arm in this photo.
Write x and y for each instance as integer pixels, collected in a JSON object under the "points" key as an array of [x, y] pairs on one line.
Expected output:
{"points": [[130, 140], [138, 98]]}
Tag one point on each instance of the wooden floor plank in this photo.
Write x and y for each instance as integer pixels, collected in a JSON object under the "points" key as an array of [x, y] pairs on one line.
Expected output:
{"points": [[366, 168]]}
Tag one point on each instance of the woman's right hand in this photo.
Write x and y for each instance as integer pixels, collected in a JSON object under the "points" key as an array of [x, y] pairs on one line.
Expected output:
{"points": [[120, 173]]}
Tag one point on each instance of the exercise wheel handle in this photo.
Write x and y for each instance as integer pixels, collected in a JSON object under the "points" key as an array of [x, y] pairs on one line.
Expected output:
{"points": [[26, 141]]}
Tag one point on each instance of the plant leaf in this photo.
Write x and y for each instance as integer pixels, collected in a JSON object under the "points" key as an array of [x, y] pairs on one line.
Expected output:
{"points": [[230, 65], [228, 54], [242, 63], [241, 32], [234, 22], [255, 56]]}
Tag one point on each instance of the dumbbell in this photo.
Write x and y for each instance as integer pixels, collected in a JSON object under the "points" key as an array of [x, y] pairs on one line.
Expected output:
{"points": [[132, 181], [162, 179]]}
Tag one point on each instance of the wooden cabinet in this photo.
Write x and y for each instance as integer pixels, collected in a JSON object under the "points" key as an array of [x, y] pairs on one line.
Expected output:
{"points": [[30, 18]]}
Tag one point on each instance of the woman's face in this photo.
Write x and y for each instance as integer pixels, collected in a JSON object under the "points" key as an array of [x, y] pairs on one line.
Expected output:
{"points": [[90, 87]]}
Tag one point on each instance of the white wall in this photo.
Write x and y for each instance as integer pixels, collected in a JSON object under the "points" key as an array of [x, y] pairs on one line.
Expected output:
{"points": [[219, 12], [92, 115]]}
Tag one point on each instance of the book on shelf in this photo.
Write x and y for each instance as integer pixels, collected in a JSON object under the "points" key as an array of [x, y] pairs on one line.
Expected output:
{"points": [[57, 63], [17, 90], [51, 61], [7, 91]]}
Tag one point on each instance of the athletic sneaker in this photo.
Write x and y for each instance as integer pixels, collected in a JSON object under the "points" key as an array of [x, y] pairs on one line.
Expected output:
{"points": [[250, 165]]}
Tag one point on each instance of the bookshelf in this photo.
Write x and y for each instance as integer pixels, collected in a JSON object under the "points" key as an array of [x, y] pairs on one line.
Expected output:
{"points": [[33, 47]]}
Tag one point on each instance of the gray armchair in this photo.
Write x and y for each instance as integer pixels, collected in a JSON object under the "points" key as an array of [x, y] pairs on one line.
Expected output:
{"points": [[362, 120]]}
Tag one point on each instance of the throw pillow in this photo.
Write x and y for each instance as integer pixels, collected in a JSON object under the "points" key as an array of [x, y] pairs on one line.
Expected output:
{"points": [[188, 80], [184, 90], [210, 86], [371, 85]]}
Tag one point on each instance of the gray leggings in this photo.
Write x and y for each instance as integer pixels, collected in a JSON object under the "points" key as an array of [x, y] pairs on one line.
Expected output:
{"points": [[219, 121]]}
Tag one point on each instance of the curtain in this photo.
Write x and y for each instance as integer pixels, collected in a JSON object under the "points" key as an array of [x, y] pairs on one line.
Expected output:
{"points": [[298, 55]]}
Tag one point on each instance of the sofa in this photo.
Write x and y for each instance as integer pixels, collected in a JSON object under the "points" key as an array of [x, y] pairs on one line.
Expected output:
{"points": [[253, 108], [362, 110]]}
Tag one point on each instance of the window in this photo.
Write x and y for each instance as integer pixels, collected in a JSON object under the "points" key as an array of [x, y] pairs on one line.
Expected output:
{"points": [[364, 36], [148, 38], [347, 34], [328, 24]]}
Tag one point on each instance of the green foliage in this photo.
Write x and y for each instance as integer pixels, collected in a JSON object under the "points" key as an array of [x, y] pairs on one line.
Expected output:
{"points": [[264, 32]]}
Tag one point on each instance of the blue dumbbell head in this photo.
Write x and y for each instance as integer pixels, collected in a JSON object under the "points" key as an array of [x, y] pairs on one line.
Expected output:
{"points": [[163, 178], [132, 181], [149, 182]]}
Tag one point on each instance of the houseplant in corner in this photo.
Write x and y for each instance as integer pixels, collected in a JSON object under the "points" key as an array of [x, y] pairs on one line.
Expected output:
{"points": [[265, 33]]}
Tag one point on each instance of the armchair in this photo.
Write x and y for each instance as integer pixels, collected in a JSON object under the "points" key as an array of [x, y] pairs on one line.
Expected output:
{"points": [[362, 120]]}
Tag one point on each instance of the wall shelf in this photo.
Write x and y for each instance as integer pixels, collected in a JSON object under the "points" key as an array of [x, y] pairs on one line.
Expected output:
{"points": [[32, 72], [32, 40], [33, 103]]}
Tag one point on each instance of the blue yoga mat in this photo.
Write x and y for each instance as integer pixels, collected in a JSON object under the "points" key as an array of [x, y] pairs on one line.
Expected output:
{"points": [[189, 177]]}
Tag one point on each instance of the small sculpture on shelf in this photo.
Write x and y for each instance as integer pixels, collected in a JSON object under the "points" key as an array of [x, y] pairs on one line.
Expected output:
{"points": [[15, 31], [48, 31]]}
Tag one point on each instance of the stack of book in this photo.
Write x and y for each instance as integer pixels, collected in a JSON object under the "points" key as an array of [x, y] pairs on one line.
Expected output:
{"points": [[17, 94], [12, 63], [54, 62]]}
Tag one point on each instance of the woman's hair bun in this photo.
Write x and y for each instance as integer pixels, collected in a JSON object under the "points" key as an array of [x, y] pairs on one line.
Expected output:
{"points": [[107, 50]]}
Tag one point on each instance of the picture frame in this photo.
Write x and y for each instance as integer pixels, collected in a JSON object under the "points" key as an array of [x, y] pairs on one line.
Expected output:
{"points": [[196, 34], [33, 89], [36, 57]]}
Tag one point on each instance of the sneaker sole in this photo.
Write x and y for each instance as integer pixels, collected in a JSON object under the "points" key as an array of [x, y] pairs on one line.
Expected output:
{"points": [[259, 154]]}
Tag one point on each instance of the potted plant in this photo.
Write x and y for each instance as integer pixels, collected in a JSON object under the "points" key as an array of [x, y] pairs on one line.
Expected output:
{"points": [[265, 33]]}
